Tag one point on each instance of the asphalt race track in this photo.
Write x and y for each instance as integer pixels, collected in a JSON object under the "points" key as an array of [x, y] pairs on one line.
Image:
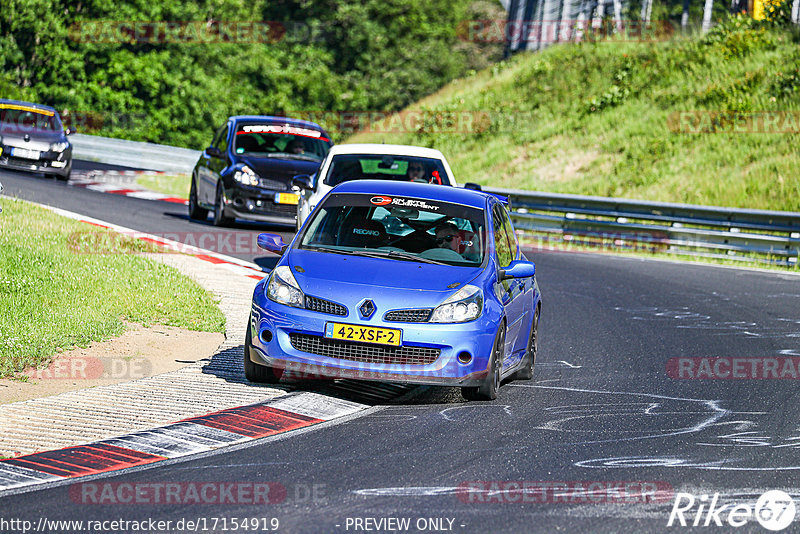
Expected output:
{"points": [[605, 411]]}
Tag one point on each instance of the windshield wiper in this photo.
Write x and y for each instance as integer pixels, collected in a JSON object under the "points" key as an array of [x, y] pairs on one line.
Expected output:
{"points": [[377, 254], [412, 257]]}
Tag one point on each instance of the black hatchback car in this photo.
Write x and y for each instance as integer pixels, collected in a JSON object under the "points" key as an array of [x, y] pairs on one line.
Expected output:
{"points": [[247, 170], [32, 138]]}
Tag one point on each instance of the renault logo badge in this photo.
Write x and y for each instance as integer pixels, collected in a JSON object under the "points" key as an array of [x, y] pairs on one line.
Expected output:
{"points": [[366, 309]]}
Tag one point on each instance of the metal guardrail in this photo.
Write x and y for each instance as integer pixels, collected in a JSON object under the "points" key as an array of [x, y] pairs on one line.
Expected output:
{"points": [[560, 220], [133, 153]]}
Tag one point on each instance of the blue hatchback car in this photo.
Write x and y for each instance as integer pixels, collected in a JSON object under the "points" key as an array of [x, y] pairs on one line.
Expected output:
{"points": [[399, 282]]}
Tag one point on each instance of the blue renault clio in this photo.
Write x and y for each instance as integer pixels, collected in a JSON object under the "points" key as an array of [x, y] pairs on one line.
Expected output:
{"points": [[398, 282]]}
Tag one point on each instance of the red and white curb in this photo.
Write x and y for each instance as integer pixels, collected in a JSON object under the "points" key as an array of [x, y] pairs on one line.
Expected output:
{"points": [[190, 436], [108, 182], [242, 267]]}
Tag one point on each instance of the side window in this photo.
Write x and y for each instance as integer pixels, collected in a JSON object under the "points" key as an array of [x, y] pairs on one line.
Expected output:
{"points": [[501, 242], [222, 142], [509, 228], [218, 135]]}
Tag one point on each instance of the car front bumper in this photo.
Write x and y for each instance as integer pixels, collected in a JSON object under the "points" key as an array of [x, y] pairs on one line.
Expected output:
{"points": [[284, 323], [49, 162], [257, 204]]}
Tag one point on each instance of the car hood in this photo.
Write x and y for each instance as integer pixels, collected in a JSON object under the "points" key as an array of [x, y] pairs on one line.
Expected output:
{"points": [[396, 283], [279, 168], [37, 139]]}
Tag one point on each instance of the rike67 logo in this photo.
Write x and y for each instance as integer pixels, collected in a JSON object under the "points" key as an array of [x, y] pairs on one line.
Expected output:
{"points": [[774, 510]]}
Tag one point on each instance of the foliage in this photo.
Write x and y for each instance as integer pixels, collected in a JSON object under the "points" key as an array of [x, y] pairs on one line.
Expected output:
{"points": [[706, 120], [332, 56], [58, 290]]}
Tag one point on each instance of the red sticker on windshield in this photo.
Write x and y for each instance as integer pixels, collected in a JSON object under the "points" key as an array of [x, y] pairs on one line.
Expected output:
{"points": [[381, 201]]}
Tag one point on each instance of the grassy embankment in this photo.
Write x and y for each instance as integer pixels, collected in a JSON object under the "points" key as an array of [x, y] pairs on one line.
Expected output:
{"points": [[176, 185], [54, 294], [601, 119]]}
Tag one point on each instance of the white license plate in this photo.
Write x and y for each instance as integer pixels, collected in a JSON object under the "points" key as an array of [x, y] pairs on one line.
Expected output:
{"points": [[25, 153]]}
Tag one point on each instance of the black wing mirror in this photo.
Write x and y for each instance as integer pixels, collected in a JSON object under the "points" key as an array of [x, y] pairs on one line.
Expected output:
{"points": [[303, 181]]}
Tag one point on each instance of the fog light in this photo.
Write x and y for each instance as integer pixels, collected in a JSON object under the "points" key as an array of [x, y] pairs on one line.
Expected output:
{"points": [[250, 205], [266, 336], [464, 357]]}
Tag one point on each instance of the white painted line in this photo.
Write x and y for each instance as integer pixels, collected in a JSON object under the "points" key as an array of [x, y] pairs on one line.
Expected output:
{"points": [[316, 405]]}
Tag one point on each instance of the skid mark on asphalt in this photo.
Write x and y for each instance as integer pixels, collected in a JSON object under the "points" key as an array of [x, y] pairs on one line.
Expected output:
{"points": [[720, 434], [459, 412]]}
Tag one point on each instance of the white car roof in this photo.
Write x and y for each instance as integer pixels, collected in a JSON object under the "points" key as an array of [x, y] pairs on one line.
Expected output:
{"points": [[379, 148]]}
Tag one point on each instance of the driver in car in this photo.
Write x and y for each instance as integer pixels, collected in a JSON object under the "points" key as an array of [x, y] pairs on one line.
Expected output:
{"points": [[448, 236]]}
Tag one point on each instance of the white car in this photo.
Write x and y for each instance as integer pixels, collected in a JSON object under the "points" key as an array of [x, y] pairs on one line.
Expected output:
{"points": [[370, 161]]}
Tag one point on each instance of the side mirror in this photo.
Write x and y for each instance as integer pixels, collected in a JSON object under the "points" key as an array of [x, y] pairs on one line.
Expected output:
{"points": [[517, 269], [272, 242], [303, 181], [69, 131], [214, 152]]}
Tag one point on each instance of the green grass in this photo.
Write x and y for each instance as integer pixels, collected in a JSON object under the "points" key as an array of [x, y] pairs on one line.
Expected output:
{"points": [[53, 294], [176, 185], [595, 119]]}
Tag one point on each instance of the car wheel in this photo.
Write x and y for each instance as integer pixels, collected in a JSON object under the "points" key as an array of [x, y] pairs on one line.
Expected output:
{"points": [[491, 384], [64, 177], [195, 211], [526, 371], [219, 207], [259, 374]]}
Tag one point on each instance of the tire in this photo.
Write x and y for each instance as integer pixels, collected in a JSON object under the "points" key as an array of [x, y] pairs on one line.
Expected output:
{"points": [[491, 384], [219, 216], [195, 211], [526, 371], [258, 374], [64, 177]]}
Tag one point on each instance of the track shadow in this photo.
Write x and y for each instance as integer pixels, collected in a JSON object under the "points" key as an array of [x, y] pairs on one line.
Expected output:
{"points": [[228, 365]]}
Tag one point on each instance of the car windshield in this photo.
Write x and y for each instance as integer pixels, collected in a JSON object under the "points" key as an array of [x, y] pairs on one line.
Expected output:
{"points": [[17, 118], [346, 167], [281, 141], [399, 228]]}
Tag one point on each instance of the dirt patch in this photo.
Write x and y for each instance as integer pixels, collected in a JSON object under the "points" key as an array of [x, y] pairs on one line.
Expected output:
{"points": [[138, 353]]}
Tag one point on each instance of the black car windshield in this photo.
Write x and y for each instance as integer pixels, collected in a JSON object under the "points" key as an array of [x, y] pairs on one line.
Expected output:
{"points": [[281, 141], [398, 228], [346, 167], [15, 118]]}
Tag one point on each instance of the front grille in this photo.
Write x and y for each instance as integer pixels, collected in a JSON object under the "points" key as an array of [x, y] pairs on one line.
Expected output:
{"points": [[324, 306], [363, 352], [408, 316], [271, 208], [266, 183]]}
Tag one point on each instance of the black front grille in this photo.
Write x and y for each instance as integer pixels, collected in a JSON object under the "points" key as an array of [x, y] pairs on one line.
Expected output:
{"points": [[271, 208], [408, 316], [276, 185], [363, 352], [324, 306]]}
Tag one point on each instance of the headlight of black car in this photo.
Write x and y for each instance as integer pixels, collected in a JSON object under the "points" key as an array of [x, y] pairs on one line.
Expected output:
{"points": [[61, 146], [246, 176]]}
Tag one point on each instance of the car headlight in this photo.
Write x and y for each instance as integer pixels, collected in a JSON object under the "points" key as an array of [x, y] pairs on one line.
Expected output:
{"points": [[246, 176], [464, 305], [283, 288], [59, 147]]}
